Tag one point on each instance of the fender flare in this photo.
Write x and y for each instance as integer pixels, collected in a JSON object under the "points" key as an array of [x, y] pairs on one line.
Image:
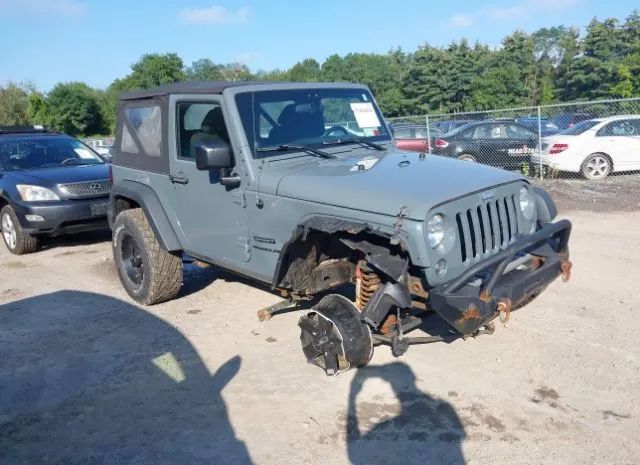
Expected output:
{"points": [[146, 197], [395, 266]]}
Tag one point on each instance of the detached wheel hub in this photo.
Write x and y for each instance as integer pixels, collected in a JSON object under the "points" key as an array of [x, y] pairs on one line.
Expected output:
{"points": [[333, 336]]}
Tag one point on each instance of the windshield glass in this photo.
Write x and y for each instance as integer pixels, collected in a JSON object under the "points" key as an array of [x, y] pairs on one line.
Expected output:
{"points": [[579, 128], [310, 117], [27, 153]]}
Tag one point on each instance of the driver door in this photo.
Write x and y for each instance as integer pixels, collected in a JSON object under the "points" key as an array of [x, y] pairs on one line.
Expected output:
{"points": [[211, 218]]}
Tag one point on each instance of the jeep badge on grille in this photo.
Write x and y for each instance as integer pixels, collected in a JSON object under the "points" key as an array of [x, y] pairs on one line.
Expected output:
{"points": [[487, 195]]}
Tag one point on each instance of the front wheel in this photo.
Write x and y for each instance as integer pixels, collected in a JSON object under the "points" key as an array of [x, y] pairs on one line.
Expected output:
{"points": [[596, 166], [149, 273], [17, 241]]}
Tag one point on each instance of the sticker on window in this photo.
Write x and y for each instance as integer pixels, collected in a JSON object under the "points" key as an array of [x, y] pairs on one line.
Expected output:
{"points": [[365, 115], [83, 153]]}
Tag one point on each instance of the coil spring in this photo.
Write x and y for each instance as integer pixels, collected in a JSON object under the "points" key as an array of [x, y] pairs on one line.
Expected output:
{"points": [[367, 282]]}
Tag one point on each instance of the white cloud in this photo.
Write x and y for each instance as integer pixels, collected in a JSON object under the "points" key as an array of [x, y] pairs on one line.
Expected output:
{"points": [[508, 13], [44, 7], [247, 58], [514, 12], [554, 4], [214, 14], [461, 20]]}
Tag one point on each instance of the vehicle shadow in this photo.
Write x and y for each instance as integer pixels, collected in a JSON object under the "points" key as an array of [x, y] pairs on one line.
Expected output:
{"points": [[75, 240], [421, 430], [91, 379]]}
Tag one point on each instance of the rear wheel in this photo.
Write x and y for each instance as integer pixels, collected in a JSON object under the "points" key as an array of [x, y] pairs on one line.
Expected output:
{"points": [[467, 157], [17, 241], [334, 337], [596, 166], [149, 273]]}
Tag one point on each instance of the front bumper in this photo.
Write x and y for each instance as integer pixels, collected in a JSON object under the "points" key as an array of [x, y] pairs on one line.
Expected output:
{"points": [[483, 291], [64, 216]]}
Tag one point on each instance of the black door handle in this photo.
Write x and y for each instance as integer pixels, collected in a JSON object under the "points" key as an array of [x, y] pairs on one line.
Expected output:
{"points": [[178, 179]]}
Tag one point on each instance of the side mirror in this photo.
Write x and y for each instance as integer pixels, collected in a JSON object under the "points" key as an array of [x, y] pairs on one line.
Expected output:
{"points": [[212, 153]]}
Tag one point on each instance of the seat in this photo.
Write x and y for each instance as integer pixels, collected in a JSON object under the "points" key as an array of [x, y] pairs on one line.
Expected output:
{"points": [[297, 121], [212, 125]]}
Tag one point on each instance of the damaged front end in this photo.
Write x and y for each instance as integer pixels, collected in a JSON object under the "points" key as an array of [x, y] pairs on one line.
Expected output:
{"points": [[506, 280]]}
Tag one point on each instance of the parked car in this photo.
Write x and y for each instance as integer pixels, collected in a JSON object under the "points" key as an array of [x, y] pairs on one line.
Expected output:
{"points": [[305, 209], [451, 124], [567, 120], [497, 143], [547, 128], [595, 148], [414, 137], [50, 184]]}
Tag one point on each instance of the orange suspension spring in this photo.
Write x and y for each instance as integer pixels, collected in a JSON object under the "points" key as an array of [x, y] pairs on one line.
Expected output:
{"points": [[367, 281]]}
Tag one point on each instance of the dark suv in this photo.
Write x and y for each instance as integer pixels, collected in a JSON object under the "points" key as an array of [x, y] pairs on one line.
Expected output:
{"points": [[50, 184]]}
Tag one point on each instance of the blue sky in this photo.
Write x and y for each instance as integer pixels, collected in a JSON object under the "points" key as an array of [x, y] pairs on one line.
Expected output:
{"points": [[47, 41]]}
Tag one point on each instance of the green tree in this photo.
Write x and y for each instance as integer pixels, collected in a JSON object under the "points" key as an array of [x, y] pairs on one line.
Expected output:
{"points": [[76, 110], [14, 105], [306, 70], [624, 87], [498, 87], [204, 70], [38, 109]]}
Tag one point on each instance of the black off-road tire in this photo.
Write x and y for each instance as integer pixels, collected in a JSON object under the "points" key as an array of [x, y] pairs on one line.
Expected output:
{"points": [[150, 275], [24, 243]]}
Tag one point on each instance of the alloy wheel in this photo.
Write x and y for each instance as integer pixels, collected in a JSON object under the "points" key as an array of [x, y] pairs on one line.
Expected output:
{"points": [[9, 231], [597, 167]]}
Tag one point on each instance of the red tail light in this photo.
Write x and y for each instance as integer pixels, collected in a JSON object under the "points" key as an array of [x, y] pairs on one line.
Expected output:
{"points": [[441, 143], [557, 148]]}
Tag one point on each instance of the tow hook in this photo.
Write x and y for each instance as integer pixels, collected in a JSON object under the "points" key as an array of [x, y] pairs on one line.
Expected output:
{"points": [[565, 267], [504, 310]]}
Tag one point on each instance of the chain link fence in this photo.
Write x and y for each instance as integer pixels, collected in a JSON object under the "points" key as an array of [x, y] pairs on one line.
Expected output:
{"points": [[586, 140]]}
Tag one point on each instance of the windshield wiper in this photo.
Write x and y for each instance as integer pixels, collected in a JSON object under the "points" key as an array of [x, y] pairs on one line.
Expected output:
{"points": [[356, 140], [303, 148]]}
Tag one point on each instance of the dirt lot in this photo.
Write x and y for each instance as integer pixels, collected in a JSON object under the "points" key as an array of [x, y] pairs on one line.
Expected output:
{"points": [[88, 377]]}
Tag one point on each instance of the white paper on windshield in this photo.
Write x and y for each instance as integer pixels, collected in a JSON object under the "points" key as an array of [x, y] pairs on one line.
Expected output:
{"points": [[83, 153], [365, 115]]}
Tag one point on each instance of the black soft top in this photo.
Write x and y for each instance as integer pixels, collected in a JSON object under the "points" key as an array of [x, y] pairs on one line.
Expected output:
{"points": [[190, 87]]}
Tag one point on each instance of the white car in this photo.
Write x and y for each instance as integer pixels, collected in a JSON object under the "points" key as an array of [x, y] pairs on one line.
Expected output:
{"points": [[595, 148]]}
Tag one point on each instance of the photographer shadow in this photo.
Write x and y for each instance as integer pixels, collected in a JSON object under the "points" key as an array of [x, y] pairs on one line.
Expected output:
{"points": [[421, 429], [91, 379]]}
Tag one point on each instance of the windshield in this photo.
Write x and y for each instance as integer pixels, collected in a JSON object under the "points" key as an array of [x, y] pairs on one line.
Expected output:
{"points": [[579, 128], [27, 153], [309, 117]]}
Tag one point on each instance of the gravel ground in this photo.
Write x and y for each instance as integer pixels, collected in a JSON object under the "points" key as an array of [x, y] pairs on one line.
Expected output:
{"points": [[89, 377]]}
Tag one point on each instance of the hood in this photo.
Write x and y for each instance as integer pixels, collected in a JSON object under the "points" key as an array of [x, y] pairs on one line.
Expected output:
{"points": [[386, 182], [49, 177]]}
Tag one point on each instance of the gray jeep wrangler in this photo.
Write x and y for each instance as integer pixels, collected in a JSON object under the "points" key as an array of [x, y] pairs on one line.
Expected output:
{"points": [[300, 186]]}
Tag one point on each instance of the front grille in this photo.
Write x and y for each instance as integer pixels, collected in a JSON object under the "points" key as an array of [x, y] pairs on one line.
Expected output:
{"points": [[86, 189], [487, 228]]}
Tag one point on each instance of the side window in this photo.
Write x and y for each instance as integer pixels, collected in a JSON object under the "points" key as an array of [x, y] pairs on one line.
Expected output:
{"points": [[421, 133], [623, 127], [402, 133], [482, 132], [518, 132], [146, 122], [196, 121]]}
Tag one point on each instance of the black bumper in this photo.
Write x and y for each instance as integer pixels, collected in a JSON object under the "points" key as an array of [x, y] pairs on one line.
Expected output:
{"points": [[467, 307], [64, 216]]}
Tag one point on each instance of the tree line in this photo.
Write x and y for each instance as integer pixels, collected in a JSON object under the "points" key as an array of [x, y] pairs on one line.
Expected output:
{"points": [[555, 64]]}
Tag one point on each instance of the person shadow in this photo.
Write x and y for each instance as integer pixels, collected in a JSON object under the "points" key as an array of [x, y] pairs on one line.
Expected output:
{"points": [[421, 429], [89, 379]]}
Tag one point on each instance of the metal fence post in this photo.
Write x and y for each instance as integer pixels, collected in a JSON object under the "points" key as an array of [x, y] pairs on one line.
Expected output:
{"points": [[540, 142], [428, 133]]}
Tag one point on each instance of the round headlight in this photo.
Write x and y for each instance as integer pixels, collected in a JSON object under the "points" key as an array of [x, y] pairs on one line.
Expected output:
{"points": [[435, 230], [526, 203]]}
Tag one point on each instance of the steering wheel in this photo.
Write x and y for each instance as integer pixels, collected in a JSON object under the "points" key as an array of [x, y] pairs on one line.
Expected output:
{"points": [[66, 161], [336, 128]]}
